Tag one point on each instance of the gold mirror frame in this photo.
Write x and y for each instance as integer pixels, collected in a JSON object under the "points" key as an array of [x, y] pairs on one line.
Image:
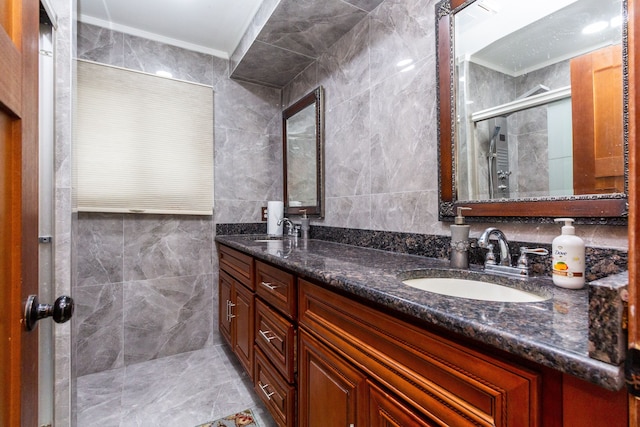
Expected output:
{"points": [[597, 209], [315, 97]]}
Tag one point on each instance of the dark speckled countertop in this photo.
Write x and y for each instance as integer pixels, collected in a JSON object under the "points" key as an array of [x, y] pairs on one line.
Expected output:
{"points": [[553, 333]]}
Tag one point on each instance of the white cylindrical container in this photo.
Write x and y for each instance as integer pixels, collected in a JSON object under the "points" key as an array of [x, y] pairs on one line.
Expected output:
{"points": [[275, 212], [568, 262]]}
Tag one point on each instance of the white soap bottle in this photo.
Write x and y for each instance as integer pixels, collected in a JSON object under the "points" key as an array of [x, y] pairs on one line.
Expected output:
{"points": [[568, 257]]}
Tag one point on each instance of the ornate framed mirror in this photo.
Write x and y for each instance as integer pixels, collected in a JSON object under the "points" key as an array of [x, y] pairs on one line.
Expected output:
{"points": [[533, 114], [303, 155]]}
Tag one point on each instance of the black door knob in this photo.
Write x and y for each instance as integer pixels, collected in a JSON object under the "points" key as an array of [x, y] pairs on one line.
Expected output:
{"points": [[61, 310]]}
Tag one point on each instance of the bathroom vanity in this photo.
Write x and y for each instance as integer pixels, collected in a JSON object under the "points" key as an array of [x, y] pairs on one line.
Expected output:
{"points": [[330, 335]]}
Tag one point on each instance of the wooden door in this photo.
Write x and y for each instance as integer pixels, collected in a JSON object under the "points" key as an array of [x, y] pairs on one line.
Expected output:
{"points": [[331, 392], [18, 208], [596, 102], [634, 199]]}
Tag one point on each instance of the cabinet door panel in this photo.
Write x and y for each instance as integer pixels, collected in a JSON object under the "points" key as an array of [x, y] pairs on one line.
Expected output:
{"points": [[224, 301], [331, 392], [244, 326]]}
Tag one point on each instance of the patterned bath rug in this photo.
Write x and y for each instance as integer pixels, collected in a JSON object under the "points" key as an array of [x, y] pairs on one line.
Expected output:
{"points": [[240, 419]]}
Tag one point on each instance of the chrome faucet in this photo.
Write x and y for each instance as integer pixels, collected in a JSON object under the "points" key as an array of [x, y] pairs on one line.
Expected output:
{"points": [[522, 267], [290, 228], [483, 242]]}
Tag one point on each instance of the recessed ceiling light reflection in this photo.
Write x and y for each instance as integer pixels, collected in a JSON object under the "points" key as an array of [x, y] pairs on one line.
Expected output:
{"points": [[595, 27], [404, 62], [409, 68], [616, 22], [163, 73]]}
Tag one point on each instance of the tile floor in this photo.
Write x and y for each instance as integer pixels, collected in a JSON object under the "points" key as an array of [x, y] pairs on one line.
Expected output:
{"points": [[178, 391]]}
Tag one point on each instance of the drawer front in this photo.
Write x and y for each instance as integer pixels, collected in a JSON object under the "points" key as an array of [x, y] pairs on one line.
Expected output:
{"points": [[276, 336], [277, 287], [237, 264], [278, 396], [444, 380]]}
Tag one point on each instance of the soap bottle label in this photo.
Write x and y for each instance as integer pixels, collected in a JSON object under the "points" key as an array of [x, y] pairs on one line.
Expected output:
{"points": [[562, 265]]}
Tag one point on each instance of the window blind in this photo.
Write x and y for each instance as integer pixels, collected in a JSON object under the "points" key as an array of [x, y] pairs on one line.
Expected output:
{"points": [[143, 143]]}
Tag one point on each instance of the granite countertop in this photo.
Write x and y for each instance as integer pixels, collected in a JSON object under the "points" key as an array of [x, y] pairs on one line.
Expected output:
{"points": [[553, 333]]}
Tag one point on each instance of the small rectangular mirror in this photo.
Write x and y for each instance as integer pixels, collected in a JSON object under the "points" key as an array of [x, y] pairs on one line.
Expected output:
{"points": [[303, 148]]}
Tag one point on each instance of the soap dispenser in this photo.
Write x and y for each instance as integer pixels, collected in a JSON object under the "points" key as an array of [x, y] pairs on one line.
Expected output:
{"points": [[460, 241], [304, 225], [568, 257]]}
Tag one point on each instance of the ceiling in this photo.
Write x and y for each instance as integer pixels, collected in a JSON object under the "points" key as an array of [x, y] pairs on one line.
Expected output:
{"points": [[210, 26], [500, 35]]}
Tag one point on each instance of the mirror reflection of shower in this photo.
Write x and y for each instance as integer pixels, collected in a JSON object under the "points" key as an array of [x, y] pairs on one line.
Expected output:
{"points": [[526, 144], [498, 159]]}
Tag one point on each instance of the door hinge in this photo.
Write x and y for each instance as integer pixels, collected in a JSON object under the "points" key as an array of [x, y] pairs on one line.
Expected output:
{"points": [[45, 239]]}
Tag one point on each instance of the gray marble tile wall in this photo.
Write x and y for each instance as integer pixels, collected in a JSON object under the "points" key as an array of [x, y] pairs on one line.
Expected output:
{"points": [[381, 129], [146, 285]]}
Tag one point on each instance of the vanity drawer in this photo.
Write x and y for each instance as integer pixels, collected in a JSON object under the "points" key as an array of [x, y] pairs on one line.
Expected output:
{"points": [[277, 288], [278, 396], [276, 337], [237, 264]]}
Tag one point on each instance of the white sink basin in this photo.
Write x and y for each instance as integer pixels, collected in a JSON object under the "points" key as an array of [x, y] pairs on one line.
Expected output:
{"points": [[472, 289]]}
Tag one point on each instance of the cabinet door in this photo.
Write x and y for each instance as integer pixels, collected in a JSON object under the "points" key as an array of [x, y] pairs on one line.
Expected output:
{"points": [[224, 301], [243, 327], [330, 391], [385, 410]]}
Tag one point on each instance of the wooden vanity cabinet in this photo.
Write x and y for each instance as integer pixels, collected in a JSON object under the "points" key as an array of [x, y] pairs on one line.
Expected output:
{"points": [[236, 304], [320, 358]]}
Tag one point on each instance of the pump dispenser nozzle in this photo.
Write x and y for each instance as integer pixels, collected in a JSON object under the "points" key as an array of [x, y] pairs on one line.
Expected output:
{"points": [[459, 220], [568, 227]]}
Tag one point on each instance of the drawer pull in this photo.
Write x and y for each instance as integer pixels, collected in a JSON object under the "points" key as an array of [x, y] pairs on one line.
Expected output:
{"points": [[263, 387], [269, 285], [230, 315], [265, 336]]}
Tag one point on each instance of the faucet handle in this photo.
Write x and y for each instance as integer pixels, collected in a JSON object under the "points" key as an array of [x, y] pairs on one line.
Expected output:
{"points": [[523, 261], [490, 257]]}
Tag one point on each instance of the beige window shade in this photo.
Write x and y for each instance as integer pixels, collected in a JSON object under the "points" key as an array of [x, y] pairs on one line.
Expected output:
{"points": [[143, 143]]}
